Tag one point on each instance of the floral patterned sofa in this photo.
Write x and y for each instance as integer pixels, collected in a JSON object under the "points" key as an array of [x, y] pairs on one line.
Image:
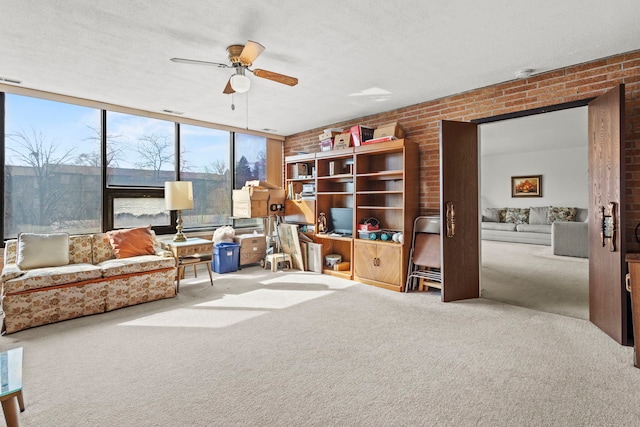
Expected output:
{"points": [[95, 280]]}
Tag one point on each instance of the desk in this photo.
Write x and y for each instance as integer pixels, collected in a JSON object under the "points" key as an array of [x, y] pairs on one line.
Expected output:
{"points": [[192, 252], [11, 385]]}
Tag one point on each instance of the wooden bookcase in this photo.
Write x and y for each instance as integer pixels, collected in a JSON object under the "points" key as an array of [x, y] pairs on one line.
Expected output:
{"points": [[375, 180]]}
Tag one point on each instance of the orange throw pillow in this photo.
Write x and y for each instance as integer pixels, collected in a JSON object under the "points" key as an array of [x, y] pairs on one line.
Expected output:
{"points": [[131, 242]]}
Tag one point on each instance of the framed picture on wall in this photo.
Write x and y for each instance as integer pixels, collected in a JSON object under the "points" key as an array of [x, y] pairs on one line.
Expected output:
{"points": [[526, 186]]}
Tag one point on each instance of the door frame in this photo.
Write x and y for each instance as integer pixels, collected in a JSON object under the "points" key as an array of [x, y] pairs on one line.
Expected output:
{"points": [[626, 338]]}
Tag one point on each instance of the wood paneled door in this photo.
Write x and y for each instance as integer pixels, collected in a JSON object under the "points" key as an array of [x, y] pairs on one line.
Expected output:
{"points": [[608, 298], [460, 238]]}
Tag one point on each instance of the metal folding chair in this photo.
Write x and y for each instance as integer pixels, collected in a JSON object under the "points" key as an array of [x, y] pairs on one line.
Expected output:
{"points": [[424, 258]]}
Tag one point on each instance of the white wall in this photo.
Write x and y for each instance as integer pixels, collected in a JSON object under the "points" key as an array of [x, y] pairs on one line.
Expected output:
{"points": [[565, 178]]}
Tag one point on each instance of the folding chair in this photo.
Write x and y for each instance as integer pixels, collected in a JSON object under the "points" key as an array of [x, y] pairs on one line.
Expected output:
{"points": [[424, 258]]}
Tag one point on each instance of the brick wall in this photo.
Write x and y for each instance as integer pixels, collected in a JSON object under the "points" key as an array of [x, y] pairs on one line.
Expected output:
{"points": [[420, 122]]}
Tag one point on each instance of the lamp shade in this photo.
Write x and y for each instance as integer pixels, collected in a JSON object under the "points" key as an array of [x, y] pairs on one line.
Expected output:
{"points": [[178, 195], [240, 83]]}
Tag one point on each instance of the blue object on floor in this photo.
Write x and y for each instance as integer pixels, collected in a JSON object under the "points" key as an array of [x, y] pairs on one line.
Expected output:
{"points": [[225, 257]]}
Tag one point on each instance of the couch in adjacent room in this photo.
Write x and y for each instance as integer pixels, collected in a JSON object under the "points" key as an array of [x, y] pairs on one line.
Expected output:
{"points": [[565, 229], [52, 277]]}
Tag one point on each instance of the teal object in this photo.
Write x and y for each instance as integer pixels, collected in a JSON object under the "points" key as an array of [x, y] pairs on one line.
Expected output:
{"points": [[372, 236], [384, 237]]}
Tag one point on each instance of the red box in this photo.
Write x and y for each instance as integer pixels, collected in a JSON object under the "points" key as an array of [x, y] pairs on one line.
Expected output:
{"points": [[381, 139], [359, 134]]}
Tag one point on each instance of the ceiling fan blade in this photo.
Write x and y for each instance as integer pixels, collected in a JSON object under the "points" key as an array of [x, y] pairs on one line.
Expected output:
{"points": [[250, 52], [280, 78], [196, 62], [228, 88]]}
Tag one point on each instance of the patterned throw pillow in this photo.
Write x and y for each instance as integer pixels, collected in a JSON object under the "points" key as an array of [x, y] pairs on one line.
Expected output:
{"points": [[517, 216], [561, 214]]}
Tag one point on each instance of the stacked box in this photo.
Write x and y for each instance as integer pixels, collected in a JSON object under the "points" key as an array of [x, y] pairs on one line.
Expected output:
{"points": [[251, 202], [253, 248]]}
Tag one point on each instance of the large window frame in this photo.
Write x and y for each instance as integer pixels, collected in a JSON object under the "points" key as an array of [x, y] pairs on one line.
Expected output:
{"points": [[112, 192]]}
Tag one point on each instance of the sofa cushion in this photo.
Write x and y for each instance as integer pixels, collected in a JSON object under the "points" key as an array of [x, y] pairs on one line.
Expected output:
{"points": [[582, 215], [138, 264], [101, 248], [501, 226], [561, 214], [493, 215], [539, 215], [534, 228], [517, 215], [38, 278], [131, 242], [80, 249], [42, 250]]}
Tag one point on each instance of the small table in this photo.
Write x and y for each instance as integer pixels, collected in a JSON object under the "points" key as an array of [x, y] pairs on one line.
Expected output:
{"points": [[192, 252], [11, 385]]}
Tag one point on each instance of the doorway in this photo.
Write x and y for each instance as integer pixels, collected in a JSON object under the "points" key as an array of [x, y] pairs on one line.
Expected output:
{"points": [[524, 269]]}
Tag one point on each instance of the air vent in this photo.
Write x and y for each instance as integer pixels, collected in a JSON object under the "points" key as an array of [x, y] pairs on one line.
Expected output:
{"points": [[8, 80]]}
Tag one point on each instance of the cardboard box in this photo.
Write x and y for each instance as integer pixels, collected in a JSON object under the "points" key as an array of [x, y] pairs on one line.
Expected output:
{"points": [[253, 248], [262, 184], [360, 134], [276, 197], [391, 129], [342, 141], [251, 202], [326, 145], [328, 134]]}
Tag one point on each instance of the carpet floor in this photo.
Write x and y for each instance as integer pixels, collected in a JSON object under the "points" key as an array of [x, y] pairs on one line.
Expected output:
{"points": [[302, 349], [531, 276]]}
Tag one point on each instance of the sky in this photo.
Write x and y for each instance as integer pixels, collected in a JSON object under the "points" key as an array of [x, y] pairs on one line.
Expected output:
{"points": [[71, 126]]}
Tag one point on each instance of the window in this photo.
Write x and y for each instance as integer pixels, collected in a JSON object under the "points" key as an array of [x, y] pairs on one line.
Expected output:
{"points": [[205, 156], [85, 170], [250, 155], [52, 167], [251, 159], [140, 150]]}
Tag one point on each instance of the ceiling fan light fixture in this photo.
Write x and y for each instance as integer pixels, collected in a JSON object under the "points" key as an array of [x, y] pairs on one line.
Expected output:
{"points": [[240, 83]]}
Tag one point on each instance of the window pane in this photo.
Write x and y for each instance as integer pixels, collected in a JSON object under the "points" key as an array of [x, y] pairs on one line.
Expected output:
{"points": [[251, 164], [251, 159], [205, 155], [52, 156], [140, 150], [139, 212]]}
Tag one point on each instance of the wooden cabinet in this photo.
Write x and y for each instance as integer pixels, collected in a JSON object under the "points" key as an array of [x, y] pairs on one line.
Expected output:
{"points": [[374, 181], [378, 263]]}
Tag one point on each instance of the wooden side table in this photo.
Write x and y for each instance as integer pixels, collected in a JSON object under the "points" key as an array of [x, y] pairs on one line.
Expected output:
{"points": [[192, 252], [11, 385]]}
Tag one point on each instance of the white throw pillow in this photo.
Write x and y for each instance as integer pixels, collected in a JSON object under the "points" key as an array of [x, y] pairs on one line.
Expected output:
{"points": [[42, 250]]}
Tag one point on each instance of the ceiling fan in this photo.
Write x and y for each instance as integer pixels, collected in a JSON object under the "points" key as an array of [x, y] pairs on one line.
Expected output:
{"points": [[241, 58]]}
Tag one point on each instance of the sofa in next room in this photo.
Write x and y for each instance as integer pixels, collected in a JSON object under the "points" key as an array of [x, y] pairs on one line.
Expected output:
{"points": [[563, 228]]}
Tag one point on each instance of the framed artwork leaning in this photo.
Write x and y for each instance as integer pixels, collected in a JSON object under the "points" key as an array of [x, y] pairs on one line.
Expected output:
{"points": [[526, 186]]}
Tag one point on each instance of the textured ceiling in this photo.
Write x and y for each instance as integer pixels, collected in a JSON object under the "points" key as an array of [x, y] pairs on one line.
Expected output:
{"points": [[353, 58]]}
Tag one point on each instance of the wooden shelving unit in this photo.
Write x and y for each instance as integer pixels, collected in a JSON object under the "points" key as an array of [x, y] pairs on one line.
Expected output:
{"points": [[375, 180]]}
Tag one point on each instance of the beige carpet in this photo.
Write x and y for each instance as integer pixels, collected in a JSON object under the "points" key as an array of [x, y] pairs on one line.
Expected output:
{"points": [[300, 349], [531, 276]]}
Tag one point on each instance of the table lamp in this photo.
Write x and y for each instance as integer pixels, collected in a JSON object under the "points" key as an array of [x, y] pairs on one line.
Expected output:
{"points": [[178, 195]]}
